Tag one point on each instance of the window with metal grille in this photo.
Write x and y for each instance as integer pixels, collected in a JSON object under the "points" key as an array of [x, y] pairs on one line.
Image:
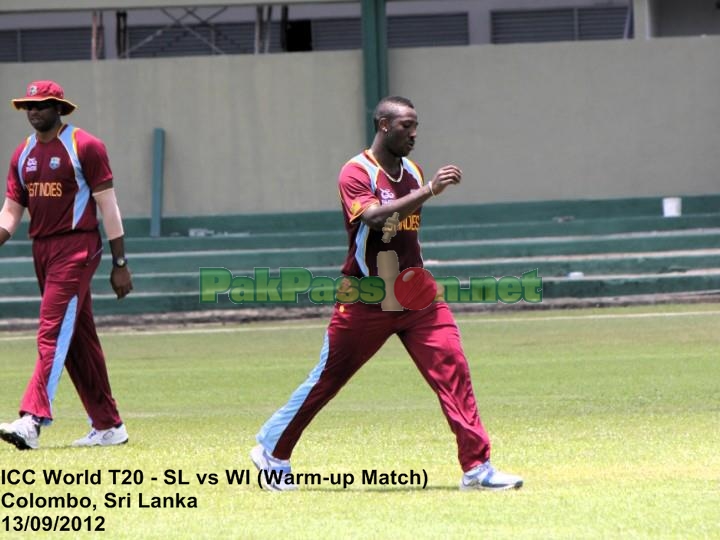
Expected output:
{"points": [[9, 46], [46, 44], [327, 34], [196, 40], [228, 38], [402, 31], [562, 24]]}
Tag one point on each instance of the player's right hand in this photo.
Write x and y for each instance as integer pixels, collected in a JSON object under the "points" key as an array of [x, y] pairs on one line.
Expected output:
{"points": [[121, 281], [390, 227]]}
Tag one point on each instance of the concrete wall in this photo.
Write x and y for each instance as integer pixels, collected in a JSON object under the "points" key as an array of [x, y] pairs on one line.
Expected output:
{"points": [[569, 120], [243, 133], [525, 122]]}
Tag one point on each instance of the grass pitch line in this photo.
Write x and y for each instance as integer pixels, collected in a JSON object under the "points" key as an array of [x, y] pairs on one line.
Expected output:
{"points": [[476, 320]]}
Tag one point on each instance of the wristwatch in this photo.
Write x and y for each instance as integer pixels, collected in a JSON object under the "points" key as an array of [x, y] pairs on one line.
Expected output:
{"points": [[120, 262]]}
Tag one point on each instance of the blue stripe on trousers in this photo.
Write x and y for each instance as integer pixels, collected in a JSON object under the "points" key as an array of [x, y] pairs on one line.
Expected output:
{"points": [[273, 429], [61, 348]]}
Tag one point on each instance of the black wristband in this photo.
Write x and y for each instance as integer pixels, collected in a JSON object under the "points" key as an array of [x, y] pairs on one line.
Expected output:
{"points": [[120, 262]]}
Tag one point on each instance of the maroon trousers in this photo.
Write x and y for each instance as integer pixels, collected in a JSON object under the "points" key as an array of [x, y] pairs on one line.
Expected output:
{"points": [[354, 335], [66, 338]]}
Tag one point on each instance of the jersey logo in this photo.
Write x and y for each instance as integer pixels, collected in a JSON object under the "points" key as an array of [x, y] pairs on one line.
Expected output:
{"points": [[386, 196], [54, 162], [355, 207], [31, 165]]}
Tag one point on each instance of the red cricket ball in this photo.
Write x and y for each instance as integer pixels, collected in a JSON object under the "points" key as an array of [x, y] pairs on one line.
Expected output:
{"points": [[415, 288]]}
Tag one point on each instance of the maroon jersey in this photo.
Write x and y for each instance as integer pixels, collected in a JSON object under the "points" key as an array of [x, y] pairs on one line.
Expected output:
{"points": [[363, 183], [54, 180]]}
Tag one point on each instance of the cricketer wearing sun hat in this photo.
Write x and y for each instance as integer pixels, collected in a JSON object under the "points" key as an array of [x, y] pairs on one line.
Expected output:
{"points": [[45, 91], [61, 174]]}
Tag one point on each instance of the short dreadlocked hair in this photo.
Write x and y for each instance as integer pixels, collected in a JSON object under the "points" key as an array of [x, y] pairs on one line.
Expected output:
{"points": [[387, 108]]}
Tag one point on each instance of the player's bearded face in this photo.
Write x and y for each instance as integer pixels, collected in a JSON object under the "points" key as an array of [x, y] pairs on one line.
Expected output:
{"points": [[400, 139], [43, 116]]}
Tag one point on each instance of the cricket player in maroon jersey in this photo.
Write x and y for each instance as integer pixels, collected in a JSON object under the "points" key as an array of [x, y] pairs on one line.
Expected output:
{"points": [[61, 174], [373, 185]]}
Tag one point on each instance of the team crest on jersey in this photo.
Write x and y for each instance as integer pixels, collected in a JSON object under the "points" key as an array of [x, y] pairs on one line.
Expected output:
{"points": [[355, 207], [54, 162], [31, 165], [386, 196]]}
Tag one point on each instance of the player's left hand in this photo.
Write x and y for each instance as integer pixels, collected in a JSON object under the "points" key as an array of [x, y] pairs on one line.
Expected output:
{"points": [[448, 175], [121, 281]]}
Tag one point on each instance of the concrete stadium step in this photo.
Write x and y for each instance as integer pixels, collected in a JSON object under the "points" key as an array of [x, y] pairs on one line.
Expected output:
{"points": [[553, 288], [550, 266], [559, 266], [432, 231], [457, 214], [184, 261], [700, 280], [610, 247]]}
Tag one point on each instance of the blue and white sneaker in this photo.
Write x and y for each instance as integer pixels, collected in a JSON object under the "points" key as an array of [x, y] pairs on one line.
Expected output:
{"points": [[104, 437], [276, 475], [486, 477]]}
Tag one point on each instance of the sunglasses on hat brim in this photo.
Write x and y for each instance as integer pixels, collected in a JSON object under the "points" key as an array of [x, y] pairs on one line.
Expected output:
{"points": [[39, 105]]}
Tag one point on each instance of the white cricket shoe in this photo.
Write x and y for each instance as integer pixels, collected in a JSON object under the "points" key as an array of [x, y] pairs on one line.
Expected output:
{"points": [[23, 432], [104, 437], [486, 477], [276, 472]]}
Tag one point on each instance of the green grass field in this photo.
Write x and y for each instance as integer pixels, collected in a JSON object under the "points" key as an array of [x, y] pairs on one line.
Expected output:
{"points": [[612, 417]]}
